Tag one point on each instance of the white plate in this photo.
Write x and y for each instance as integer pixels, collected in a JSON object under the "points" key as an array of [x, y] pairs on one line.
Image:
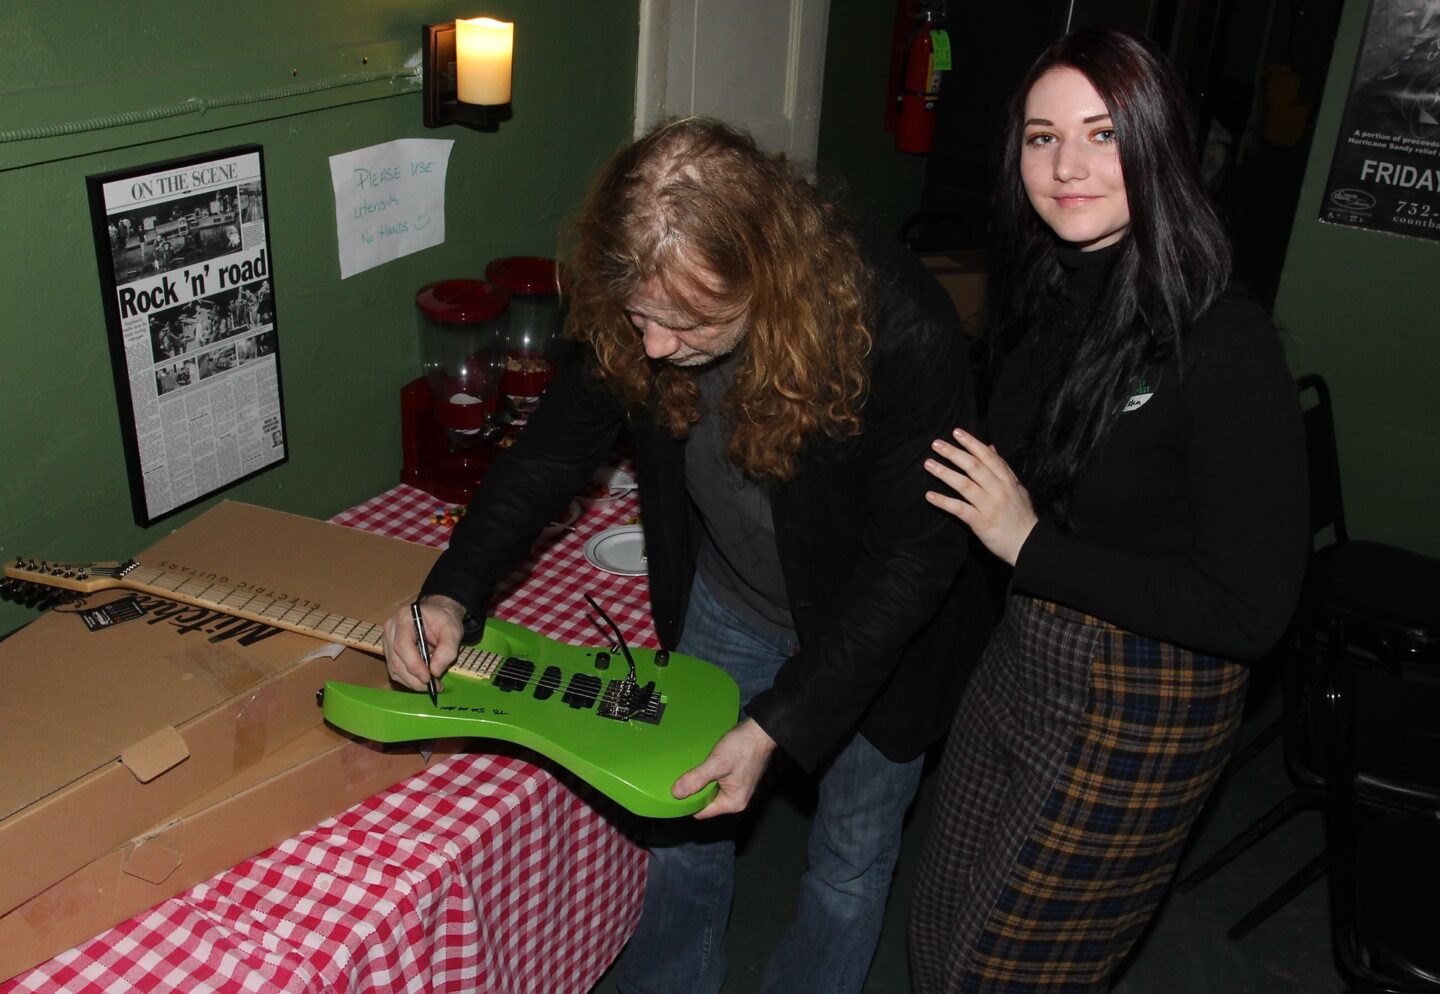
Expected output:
{"points": [[618, 550]]}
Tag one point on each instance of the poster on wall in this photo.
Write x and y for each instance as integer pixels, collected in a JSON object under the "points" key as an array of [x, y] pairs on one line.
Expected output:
{"points": [[1385, 173], [185, 269]]}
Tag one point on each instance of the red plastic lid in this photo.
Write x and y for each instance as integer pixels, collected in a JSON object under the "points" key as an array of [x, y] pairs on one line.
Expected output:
{"points": [[530, 274], [462, 301]]}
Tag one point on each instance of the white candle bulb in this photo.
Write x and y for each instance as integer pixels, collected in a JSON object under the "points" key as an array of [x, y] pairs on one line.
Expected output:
{"points": [[483, 48]]}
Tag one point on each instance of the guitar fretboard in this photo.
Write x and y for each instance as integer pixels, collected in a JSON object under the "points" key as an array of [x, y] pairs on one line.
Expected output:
{"points": [[283, 613]]}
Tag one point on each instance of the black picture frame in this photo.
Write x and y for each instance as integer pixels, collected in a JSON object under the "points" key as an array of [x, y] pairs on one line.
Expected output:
{"points": [[1385, 168], [185, 264]]}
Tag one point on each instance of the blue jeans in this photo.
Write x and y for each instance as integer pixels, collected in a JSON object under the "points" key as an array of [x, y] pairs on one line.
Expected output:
{"points": [[679, 945]]}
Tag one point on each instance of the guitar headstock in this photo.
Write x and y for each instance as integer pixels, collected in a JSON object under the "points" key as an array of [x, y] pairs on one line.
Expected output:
{"points": [[84, 578]]}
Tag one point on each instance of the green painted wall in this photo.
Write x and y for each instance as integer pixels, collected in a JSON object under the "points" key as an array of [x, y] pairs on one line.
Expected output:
{"points": [[346, 346], [878, 183], [1360, 309]]}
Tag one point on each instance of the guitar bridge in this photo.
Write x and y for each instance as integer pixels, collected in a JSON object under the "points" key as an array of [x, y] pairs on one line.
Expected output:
{"points": [[624, 700]]}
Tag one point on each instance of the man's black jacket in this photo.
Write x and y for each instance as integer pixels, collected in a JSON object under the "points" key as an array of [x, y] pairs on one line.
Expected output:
{"points": [[888, 606]]}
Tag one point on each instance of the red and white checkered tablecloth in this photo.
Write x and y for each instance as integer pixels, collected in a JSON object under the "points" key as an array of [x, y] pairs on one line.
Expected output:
{"points": [[545, 593], [483, 873]]}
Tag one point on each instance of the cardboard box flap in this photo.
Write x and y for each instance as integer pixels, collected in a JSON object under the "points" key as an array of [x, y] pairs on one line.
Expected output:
{"points": [[155, 754], [152, 862], [234, 690], [125, 683], [316, 775], [51, 752]]}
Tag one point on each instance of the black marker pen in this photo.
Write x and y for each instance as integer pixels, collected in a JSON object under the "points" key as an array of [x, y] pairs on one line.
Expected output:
{"points": [[424, 653]]}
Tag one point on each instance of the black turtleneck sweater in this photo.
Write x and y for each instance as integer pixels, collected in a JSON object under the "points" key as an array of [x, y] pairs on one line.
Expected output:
{"points": [[1190, 522]]}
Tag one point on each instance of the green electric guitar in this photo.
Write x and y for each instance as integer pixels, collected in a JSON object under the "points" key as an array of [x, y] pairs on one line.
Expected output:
{"points": [[628, 722]]}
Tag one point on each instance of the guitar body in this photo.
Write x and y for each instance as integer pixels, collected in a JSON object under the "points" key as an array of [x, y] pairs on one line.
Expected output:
{"points": [[557, 706], [630, 738]]}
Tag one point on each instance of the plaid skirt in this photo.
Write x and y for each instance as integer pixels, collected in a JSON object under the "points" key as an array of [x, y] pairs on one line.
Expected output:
{"points": [[1077, 764]]}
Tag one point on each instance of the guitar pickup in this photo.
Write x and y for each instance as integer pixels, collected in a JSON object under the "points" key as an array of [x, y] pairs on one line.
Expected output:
{"points": [[548, 683], [514, 674], [583, 691]]}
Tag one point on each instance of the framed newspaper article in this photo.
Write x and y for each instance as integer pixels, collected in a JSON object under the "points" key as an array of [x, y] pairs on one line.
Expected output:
{"points": [[185, 268]]}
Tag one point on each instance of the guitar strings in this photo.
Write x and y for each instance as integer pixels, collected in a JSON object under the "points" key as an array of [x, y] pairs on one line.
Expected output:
{"points": [[471, 661]]}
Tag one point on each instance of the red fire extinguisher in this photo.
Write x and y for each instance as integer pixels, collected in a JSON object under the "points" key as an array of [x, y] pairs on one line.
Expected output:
{"points": [[927, 56]]}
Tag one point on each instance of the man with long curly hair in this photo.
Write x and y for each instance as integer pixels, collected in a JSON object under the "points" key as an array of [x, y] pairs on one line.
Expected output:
{"points": [[781, 386]]}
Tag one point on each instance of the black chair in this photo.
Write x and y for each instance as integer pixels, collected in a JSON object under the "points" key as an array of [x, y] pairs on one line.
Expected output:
{"points": [[1393, 596], [1384, 850]]}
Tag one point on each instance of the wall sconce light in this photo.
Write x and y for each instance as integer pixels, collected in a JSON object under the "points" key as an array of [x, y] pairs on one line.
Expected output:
{"points": [[466, 72]]}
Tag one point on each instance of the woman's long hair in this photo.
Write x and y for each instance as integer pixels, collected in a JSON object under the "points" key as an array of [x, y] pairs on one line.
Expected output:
{"points": [[1172, 264], [723, 226]]}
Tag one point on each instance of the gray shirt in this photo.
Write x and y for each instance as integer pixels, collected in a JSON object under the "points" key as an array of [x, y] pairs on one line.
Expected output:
{"points": [[739, 562]]}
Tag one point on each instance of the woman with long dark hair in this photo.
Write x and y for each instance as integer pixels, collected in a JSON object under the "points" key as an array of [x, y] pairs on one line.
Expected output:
{"points": [[1147, 483]]}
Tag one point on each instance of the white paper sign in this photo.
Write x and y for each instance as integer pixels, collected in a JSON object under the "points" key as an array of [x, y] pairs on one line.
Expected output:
{"points": [[389, 201]]}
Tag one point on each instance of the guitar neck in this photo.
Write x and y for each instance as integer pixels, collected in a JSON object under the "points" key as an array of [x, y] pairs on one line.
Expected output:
{"points": [[264, 608], [253, 605]]}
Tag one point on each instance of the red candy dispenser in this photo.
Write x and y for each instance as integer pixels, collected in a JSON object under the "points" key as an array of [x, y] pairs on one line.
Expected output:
{"points": [[452, 418], [533, 338]]}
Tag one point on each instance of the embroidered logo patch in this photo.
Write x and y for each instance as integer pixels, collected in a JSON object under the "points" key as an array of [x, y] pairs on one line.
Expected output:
{"points": [[1142, 395]]}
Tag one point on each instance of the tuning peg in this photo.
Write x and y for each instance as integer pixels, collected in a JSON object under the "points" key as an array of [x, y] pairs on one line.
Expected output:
{"points": [[52, 598]]}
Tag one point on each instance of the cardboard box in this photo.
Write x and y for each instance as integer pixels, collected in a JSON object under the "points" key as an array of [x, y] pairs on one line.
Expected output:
{"points": [[107, 733], [301, 784], [962, 274]]}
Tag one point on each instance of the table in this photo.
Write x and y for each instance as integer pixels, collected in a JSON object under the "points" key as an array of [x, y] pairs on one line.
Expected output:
{"points": [[485, 872], [544, 592]]}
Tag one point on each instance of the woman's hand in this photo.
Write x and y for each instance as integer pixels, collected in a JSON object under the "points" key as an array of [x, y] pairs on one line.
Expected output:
{"points": [[992, 500]]}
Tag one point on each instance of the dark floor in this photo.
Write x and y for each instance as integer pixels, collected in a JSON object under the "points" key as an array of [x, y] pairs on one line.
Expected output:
{"points": [[1186, 951]]}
